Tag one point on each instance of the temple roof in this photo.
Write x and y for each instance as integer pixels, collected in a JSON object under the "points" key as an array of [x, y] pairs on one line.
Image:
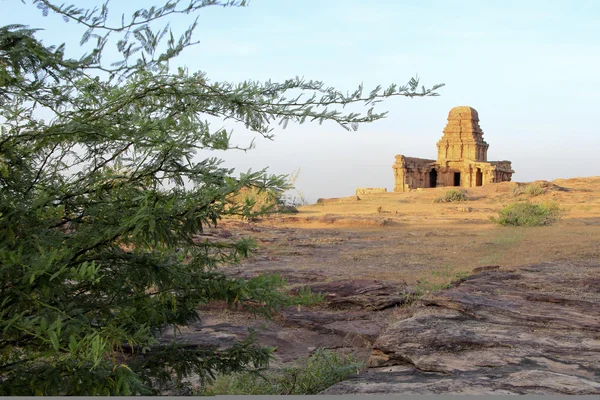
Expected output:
{"points": [[463, 113]]}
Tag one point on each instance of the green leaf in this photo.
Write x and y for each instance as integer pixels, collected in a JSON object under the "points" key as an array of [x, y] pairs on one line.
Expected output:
{"points": [[53, 339]]}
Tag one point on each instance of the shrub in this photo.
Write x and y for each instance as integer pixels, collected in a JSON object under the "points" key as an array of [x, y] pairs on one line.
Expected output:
{"points": [[323, 369], [517, 190], [528, 214], [532, 190], [452, 195], [257, 201]]}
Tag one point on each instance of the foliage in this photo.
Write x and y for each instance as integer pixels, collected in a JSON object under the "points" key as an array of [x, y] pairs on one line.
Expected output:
{"points": [[258, 201], [528, 214], [323, 369], [531, 190], [451, 195], [103, 190]]}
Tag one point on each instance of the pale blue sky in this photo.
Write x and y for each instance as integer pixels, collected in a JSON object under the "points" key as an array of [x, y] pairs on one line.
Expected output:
{"points": [[530, 68]]}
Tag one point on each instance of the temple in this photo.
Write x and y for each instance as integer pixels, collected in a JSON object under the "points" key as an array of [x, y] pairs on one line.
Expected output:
{"points": [[461, 159]]}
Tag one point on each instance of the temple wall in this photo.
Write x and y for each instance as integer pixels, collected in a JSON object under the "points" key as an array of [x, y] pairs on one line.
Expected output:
{"points": [[361, 191], [411, 173]]}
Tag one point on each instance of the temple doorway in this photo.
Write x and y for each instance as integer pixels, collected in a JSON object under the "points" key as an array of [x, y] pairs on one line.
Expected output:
{"points": [[433, 178], [478, 177], [457, 179]]}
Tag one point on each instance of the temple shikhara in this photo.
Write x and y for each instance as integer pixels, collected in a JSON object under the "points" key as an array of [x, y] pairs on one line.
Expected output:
{"points": [[461, 159]]}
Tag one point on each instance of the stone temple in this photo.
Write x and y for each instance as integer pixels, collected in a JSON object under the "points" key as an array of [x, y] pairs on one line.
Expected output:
{"points": [[461, 159]]}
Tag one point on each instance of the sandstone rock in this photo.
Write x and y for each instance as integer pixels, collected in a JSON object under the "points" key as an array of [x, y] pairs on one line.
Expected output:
{"points": [[486, 268], [532, 331], [361, 191], [324, 201], [358, 328], [363, 293]]}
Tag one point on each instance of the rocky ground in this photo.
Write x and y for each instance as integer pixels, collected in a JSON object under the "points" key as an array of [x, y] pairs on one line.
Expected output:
{"points": [[521, 316], [535, 330]]}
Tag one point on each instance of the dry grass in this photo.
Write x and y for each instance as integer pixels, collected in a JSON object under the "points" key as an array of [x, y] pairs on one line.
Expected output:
{"points": [[415, 237]]}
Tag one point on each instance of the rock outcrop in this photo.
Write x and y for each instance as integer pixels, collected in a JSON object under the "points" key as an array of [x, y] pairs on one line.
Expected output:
{"points": [[531, 331]]}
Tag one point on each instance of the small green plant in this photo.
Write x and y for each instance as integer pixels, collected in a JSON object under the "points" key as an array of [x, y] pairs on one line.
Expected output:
{"points": [[528, 214], [451, 195], [323, 369], [532, 190], [307, 297]]}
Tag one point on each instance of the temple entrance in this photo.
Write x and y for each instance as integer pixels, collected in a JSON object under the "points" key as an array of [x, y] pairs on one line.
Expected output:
{"points": [[433, 178], [478, 177], [457, 179]]}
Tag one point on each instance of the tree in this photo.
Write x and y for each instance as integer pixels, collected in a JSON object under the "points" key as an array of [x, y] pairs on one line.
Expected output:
{"points": [[102, 201]]}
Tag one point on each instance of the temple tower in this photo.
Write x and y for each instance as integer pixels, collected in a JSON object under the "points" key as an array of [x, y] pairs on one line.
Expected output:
{"points": [[463, 138], [461, 161]]}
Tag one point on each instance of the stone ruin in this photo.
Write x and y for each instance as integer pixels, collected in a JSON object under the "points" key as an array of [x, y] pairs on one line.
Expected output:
{"points": [[461, 160], [361, 191]]}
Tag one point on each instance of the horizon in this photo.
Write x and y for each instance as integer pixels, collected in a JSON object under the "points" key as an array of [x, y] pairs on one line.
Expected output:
{"points": [[529, 69]]}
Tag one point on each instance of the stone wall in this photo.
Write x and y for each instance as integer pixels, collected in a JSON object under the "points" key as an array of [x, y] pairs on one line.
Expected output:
{"points": [[411, 172], [360, 191]]}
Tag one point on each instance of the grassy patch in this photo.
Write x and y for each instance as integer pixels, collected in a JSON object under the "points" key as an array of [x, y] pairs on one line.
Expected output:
{"points": [[503, 244], [451, 195], [438, 279], [509, 238], [532, 190], [315, 374], [528, 214]]}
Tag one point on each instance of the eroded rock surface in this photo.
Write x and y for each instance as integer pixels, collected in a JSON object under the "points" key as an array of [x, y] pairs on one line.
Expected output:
{"points": [[531, 331], [349, 321], [362, 293]]}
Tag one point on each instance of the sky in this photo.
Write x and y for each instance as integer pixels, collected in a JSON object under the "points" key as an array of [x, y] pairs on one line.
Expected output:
{"points": [[530, 69]]}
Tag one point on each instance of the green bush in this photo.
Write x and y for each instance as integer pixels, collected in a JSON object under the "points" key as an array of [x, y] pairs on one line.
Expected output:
{"points": [[323, 369], [452, 195], [528, 214]]}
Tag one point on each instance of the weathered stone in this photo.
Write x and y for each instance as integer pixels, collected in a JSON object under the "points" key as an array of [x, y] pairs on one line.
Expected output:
{"points": [[360, 327], [462, 158], [360, 191], [323, 201], [287, 209], [362, 293], [486, 268], [530, 331]]}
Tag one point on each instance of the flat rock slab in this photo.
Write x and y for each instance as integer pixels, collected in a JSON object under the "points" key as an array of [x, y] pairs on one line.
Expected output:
{"points": [[362, 293], [531, 331]]}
